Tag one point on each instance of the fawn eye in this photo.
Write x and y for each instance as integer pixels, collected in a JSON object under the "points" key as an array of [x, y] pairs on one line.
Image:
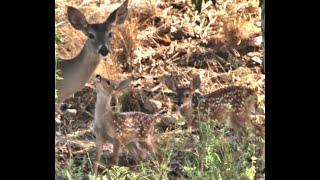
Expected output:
{"points": [[98, 77], [186, 95], [91, 36], [110, 34], [108, 82]]}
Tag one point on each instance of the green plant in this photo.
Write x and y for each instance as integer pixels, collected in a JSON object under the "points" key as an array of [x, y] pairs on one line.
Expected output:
{"points": [[57, 71], [120, 173], [57, 76], [94, 177], [57, 37], [70, 171], [221, 158], [156, 169], [250, 172]]}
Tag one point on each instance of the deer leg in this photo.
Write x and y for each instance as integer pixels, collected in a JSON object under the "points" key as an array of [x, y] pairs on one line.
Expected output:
{"points": [[115, 154], [135, 151], [152, 145], [259, 128], [261, 134], [99, 147], [238, 124]]}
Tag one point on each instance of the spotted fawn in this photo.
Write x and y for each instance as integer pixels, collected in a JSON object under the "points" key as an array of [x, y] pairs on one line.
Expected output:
{"points": [[234, 103], [134, 130]]}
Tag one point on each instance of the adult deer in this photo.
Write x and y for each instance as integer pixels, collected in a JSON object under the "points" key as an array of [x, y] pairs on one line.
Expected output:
{"points": [[78, 70]]}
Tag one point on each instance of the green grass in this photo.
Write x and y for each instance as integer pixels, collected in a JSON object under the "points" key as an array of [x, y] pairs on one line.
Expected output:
{"points": [[115, 173], [57, 37], [182, 156]]}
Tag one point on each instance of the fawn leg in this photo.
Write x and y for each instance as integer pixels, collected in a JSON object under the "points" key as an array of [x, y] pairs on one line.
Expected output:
{"points": [[99, 147], [135, 151], [238, 122], [259, 128], [152, 145], [261, 133], [115, 154]]}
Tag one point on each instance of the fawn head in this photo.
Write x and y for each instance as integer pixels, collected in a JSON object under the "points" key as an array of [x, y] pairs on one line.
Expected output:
{"points": [[183, 95], [99, 35], [104, 86]]}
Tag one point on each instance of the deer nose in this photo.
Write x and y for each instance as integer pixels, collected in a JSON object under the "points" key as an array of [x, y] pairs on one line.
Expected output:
{"points": [[103, 50], [179, 103]]}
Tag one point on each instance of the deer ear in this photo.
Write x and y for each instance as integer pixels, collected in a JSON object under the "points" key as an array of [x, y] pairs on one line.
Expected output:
{"points": [[123, 84], [169, 82], [195, 82], [118, 16], [76, 18]]}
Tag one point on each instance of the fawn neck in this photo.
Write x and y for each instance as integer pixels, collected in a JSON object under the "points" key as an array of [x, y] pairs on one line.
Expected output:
{"points": [[102, 107], [192, 108], [186, 110]]}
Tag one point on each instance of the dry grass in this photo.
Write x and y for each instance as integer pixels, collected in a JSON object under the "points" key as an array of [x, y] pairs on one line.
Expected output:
{"points": [[239, 18]]}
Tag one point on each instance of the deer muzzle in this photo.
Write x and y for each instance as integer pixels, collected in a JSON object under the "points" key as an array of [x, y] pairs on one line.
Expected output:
{"points": [[103, 50]]}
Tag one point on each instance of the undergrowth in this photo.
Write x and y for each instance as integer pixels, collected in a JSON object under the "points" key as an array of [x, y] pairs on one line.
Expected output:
{"points": [[222, 157]]}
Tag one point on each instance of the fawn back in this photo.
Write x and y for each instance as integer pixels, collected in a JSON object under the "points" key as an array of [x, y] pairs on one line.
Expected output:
{"points": [[77, 71], [234, 103], [134, 130]]}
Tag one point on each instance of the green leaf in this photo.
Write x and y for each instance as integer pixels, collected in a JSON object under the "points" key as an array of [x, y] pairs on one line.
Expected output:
{"points": [[59, 78], [57, 36]]}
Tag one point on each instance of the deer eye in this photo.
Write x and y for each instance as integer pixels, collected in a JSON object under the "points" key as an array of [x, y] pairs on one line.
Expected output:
{"points": [[187, 95], [91, 36]]}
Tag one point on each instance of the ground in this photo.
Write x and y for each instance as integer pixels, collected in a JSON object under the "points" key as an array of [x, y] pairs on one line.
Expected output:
{"points": [[167, 37]]}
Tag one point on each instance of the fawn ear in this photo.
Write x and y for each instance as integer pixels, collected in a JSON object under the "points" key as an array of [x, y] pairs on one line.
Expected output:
{"points": [[76, 18], [195, 82], [118, 16], [169, 82], [123, 84]]}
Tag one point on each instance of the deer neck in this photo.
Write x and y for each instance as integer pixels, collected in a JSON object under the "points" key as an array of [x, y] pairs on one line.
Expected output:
{"points": [[186, 110], [190, 108], [77, 71], [198, 101], [102, 108], [88, 58]]}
